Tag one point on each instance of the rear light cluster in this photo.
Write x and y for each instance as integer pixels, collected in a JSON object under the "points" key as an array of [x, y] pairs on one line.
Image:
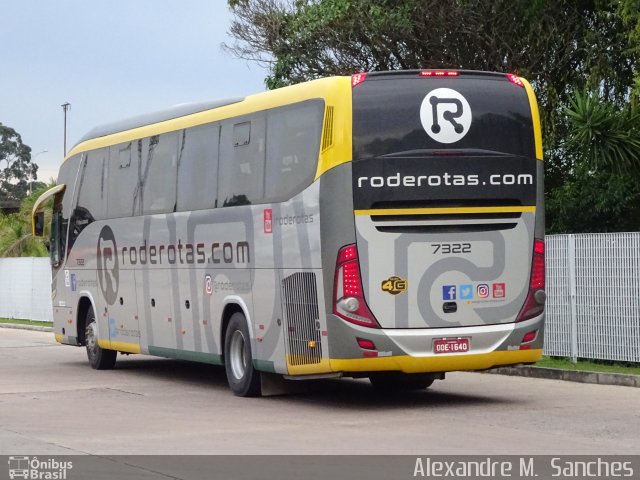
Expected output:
{"points": [[534, 304], [439, 73], [366, 344], [348, 297], [357, 79], [515, 79], [528, 339]]}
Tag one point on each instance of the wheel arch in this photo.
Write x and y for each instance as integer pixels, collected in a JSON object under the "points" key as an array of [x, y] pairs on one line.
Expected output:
{"points": [[84, 303], [234, 304]]}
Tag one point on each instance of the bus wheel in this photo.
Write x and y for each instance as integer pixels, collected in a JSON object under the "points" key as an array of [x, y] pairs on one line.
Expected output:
{"points": [[398, 381], [99, 358], [243, 379]]}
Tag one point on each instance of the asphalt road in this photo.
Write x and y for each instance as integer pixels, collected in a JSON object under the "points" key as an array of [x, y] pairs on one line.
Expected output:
{"points": [[52, 402]]}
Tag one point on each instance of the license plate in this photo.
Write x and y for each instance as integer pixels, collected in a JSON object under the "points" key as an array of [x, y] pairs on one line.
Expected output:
{"points": [[451, 345]]}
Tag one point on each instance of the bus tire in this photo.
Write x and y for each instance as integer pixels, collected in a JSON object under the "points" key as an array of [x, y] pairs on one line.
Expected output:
{"points": [[99, 358], [243, 379], [398, 381]]}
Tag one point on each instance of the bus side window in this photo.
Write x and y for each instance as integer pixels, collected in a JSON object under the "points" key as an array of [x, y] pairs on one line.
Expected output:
{"points": [[123, 179], [159, 171], [92, 194], [198, 168], [241, 170], [293, 145]]}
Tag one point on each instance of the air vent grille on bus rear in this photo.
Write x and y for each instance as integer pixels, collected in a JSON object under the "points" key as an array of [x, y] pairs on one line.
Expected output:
{"points": [[300, 296], [446, 223], [327, 136]]}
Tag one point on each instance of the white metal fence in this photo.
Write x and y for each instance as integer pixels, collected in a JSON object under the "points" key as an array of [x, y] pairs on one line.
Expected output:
{"points": [[593, 288], [25, 288]]}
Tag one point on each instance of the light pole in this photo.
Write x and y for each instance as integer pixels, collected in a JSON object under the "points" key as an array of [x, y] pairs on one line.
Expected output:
{"points": [[65, 106], [33, 160]]}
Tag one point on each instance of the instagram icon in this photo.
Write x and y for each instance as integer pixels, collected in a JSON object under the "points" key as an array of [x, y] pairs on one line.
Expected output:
{"points": [[483, 290]]}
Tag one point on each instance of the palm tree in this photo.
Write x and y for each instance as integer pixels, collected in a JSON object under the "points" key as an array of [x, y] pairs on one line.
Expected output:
{"points": [[604, 135]]}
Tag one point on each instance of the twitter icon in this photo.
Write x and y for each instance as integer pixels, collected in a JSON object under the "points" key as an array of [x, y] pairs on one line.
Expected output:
{"points": [[466, 292]]}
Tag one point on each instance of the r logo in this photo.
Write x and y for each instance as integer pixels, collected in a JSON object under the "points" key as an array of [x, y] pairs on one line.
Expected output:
{"points": [[445, 115], [108, 270]]}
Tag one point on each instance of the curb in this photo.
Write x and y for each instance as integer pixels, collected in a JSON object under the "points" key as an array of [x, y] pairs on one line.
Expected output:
{"points": [[18, 326], [600, 378]]}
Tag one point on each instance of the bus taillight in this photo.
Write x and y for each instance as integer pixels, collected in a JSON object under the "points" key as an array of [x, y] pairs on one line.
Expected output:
{"points": [[439, 73], [515, 79], [357, 79], [348, 297], [534, 304]]}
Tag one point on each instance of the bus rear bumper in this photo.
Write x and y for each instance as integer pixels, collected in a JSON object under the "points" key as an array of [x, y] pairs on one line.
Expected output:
{"points": [[413, 351], [444, 363]]}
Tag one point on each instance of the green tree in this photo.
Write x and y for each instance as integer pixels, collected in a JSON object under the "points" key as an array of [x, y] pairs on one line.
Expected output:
{"points": [[561, 46], [594, 200], [15, 229], [604, 135], [16, 168], [601, 188]]}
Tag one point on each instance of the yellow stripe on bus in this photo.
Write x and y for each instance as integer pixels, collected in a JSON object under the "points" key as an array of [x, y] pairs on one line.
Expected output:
{"points": [[409, 364], [437, 363], [119, 346], [535, 117], [444, 211]]}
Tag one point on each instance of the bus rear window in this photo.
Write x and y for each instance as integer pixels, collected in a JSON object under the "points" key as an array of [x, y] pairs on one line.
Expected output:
{"points": [[405, 113]]}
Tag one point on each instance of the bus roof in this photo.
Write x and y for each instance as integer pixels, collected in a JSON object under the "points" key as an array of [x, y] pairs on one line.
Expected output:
{"points": [[335, 91], [155, 117]]}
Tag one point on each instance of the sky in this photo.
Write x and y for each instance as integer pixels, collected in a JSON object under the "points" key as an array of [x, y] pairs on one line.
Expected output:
{"points": [[110, 59]]}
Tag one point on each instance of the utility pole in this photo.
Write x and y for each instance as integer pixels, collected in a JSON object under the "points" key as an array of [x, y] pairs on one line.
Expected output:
{"points": [[65, 106]]}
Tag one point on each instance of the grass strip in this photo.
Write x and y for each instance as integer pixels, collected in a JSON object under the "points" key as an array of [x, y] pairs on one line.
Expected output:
{"points": [[19, 321], [585, 365]]}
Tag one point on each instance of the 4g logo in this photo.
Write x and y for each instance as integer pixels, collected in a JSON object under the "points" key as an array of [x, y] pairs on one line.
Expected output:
{"points": [[394, 285]]}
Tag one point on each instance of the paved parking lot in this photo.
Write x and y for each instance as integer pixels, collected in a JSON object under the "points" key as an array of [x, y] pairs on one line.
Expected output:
{"points": [[51, 402]]}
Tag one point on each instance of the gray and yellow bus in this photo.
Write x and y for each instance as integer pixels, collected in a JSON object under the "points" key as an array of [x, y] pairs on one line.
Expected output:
{"points": [[386, 225]]}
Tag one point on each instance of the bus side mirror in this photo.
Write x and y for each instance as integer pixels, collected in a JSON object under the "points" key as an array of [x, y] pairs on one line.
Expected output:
{"points": [[38, 224]]}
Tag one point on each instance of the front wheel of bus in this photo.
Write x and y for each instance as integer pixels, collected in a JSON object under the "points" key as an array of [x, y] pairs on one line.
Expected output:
{"points": [[99, 358], [243, 379], [398, 381]]}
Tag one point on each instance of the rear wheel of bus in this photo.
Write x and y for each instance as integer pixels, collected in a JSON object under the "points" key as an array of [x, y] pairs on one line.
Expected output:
{"points": [[243, 379], [398, 381], [99, 358]]}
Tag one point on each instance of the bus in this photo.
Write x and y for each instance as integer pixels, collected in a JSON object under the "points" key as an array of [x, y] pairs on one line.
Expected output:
{"points": [[387, 225]]}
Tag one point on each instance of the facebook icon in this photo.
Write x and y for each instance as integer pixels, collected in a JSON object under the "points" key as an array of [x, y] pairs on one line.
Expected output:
{"points": [[448, 292]]}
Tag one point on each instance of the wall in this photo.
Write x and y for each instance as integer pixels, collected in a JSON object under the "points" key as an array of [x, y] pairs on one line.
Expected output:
{"points": [[25, 288]]}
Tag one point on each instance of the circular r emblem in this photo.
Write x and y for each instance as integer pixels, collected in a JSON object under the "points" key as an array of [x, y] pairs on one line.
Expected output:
{"points": [[445, 115], [108, 269]]}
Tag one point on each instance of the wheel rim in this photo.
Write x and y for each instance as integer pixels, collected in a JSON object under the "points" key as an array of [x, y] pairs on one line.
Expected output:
{"points": [[237, 355], [91, 339]]}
